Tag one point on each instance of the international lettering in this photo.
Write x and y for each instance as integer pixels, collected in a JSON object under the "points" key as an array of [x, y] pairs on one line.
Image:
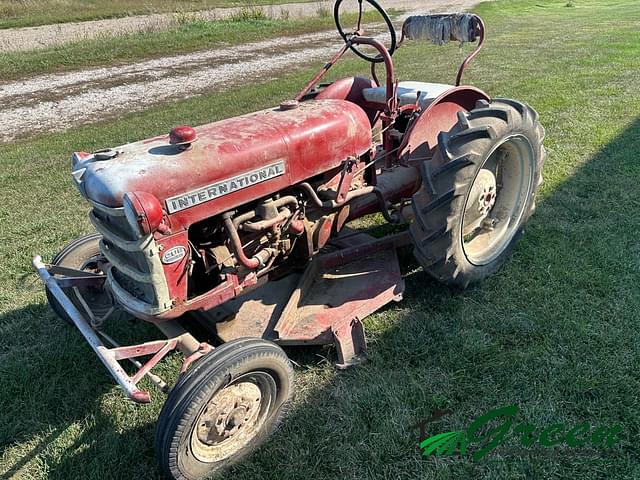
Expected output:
{"points": [[224, 187]]}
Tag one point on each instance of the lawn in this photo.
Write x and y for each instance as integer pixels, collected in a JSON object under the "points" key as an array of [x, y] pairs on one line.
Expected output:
{"points": [[28, 13], [556, 332]]}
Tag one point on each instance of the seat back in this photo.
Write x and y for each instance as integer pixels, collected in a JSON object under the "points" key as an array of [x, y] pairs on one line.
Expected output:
{"points": [[442, 28], [408, 93]]}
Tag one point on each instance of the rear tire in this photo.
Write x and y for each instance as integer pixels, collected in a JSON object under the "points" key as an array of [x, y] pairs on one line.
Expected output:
{"points": [[478, 192], [223, 408]]}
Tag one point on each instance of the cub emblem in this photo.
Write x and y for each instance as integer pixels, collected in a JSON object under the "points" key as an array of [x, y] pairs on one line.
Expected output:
{"points": [[174, 254]]}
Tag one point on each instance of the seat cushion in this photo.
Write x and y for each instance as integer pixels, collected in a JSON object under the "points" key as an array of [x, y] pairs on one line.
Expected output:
{"points": [[408, 93]]}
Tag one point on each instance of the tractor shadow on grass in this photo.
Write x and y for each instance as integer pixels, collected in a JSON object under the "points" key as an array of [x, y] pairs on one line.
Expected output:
{"points": [[57, 405], [551, 332]]}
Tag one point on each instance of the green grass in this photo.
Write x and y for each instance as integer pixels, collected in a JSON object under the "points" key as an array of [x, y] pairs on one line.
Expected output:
{"points": [[28, 13], [556, 331], [187, 36]]}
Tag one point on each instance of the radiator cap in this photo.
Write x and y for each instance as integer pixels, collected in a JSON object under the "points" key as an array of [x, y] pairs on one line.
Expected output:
{"points": [[183, 136]]}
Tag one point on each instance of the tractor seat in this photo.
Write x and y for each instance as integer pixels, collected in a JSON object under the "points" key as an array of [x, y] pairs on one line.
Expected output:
{"points": [[408, 93]]}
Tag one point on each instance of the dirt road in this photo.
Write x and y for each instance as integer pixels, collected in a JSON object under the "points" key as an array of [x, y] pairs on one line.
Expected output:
{"points": [[54, 102], [51, 103]]}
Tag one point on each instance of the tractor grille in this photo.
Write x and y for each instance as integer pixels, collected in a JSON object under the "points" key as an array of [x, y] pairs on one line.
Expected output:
{"points": [[135, 276]]}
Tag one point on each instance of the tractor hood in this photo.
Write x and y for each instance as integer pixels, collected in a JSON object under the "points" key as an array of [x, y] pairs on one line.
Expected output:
{"points": [[231, 161]]}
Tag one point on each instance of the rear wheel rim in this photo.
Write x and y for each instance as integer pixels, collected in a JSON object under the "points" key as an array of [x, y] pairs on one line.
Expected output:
{"points": [[497, 199], [232, 417]]}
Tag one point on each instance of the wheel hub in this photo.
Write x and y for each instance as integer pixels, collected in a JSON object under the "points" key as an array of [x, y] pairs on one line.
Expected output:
{"points": [[482, 198], [486, 200], [227, 422]]}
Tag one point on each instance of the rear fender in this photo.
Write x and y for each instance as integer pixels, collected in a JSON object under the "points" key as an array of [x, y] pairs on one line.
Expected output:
{"points": [[421, 138], [350, 89]]}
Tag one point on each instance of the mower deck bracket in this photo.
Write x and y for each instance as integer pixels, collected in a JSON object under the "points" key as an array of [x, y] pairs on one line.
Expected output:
{"points": [[69, 277], [350, 343]]}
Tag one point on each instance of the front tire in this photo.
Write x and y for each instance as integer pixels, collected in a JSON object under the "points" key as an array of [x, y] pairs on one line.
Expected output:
{"points": [[478, 192], [223, 408], [84, 254]]}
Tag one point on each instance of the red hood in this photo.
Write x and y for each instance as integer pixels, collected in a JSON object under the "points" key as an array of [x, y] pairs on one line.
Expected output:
{"points": [[308, 140]]}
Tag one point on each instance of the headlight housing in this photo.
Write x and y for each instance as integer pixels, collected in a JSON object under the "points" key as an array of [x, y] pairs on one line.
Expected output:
{"points": [[143, 211]]}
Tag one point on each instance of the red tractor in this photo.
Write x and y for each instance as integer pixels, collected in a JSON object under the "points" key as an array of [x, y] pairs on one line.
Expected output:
{"points": [[239, 229]]}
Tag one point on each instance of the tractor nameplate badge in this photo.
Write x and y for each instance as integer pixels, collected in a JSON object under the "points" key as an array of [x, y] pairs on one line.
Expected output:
{"points": [[224, 187], [174, 254]]}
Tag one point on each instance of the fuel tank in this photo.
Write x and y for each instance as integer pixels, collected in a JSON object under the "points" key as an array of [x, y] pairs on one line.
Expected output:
{"points": [[232, 161]]}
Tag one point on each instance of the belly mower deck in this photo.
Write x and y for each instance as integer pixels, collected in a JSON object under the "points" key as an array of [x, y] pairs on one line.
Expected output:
{"points": [[323, 305]]}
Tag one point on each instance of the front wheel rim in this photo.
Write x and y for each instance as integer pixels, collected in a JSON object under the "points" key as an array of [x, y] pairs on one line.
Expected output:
{"points": [[232, 417], [497, 198]]}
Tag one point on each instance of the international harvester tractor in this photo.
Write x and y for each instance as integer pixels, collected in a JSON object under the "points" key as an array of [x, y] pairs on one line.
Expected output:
{"points": [[239, 229]]}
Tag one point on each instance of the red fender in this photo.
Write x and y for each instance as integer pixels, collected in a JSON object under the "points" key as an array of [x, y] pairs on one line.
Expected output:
{"points": [[350, 89], [422, 136]]}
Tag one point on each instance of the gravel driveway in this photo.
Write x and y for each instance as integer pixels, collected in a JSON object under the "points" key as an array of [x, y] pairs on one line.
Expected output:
{"points": [[55, 102], [51, 35]]}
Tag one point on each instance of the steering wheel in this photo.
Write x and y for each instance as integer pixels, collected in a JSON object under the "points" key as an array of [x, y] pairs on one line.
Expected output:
{"points": [[347, 36]]}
